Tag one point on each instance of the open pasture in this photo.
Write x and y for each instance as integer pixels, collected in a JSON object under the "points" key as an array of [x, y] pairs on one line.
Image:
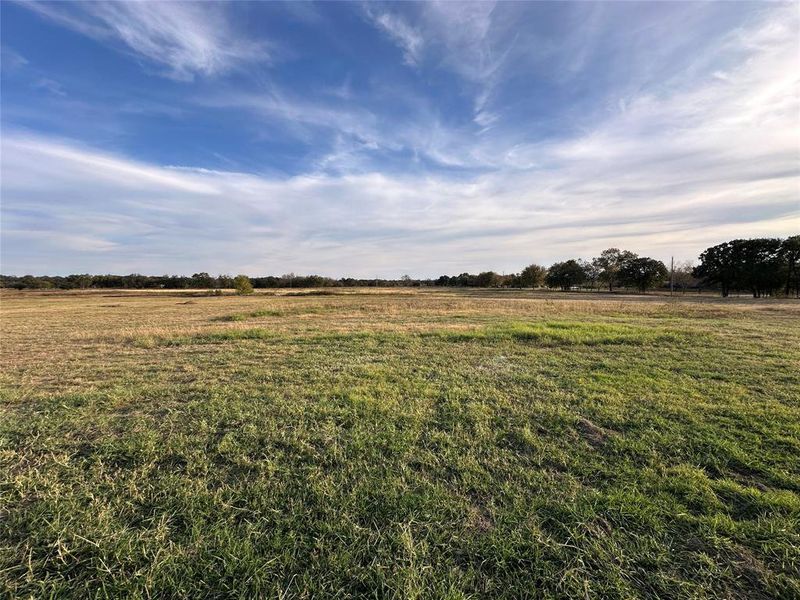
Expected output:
{"points": [[399, 443]]}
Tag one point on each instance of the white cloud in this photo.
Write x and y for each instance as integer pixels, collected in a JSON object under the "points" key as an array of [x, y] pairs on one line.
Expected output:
{"points": [[706, 159], [275, 105], [187, 38], [408, 38], [464, 30], [88, 210], [461, 36], [11, 60], [50, 85]]}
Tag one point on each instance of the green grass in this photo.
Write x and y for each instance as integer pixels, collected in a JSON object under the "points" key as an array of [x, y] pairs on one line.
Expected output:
{"points": [[251, 315], [425, 452], [560, 333]]}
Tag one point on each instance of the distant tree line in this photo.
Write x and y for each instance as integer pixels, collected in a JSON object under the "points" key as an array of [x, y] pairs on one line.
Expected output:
{"points": [[198, 281], [762, 266]]}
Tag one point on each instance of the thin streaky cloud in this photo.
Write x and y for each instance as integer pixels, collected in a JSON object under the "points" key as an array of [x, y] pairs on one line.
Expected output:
{"points": [[477, 136], [399, 31], [188, 38]]}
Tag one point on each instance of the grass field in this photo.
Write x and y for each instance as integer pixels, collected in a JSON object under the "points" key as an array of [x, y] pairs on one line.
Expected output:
{"points": [[399, 444]]}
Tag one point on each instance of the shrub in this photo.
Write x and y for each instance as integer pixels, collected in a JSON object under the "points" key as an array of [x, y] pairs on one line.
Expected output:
{"points": [[242, 285]]}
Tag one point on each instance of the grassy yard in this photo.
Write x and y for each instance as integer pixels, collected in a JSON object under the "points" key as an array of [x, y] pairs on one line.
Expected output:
{"points": [[399, 444]]}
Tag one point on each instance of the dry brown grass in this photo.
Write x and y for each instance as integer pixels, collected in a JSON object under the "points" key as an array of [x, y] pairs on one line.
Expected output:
{"points": [[78, 338], [473, 443]]}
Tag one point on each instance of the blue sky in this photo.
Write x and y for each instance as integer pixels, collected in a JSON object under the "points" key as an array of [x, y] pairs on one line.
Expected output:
{"points": [[377, 139]]}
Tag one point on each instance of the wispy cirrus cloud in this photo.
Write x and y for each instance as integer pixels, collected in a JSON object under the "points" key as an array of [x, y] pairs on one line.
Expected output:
{"points": [[470, 40], [389, 180], [12, 60], [671, 192], [407, 37], [186, 38], [457, 35], [50, 85], [702, 126]]}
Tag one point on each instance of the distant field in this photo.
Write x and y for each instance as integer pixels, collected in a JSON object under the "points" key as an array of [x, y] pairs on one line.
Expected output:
{"points": [[399, 444]]}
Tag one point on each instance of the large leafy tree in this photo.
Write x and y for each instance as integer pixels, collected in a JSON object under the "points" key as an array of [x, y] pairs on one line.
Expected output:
{"points": [[642, 273], [758, 265], [565, 274], [610, 263], [532, 276], [717, 265], [487, 279], [790, 256]]}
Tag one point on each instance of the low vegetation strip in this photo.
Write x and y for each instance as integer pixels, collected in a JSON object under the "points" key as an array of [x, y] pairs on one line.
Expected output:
{"points": [[558, 333], [548, 333], [251, 315], [432, 446]]}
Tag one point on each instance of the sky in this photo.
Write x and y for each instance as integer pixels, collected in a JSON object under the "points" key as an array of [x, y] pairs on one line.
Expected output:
{"points": [[382, 139]]}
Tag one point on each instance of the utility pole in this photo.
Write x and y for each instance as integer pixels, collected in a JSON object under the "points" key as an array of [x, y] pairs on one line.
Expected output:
{"points": [[671, 274]]}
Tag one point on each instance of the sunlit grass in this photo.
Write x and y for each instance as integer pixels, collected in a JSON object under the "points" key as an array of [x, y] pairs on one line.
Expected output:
{"points": [[419, 444]]}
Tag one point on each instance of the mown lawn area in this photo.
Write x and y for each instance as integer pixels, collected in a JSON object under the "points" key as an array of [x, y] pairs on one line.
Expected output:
{"points": [[398, 444]]}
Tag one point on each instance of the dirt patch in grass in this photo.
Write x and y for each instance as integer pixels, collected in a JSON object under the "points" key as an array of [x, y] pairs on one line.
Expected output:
{"points": [[754, 572], [479, 519], [594, 434]]}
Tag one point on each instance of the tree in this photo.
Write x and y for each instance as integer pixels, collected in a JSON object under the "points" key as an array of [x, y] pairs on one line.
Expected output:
{"points": [[532, 276], [242, 285], [683, 277], [756, 265], [592, 272], [790, 254], [609, 264], [443, 280], [487, 279], [506, 281], [642, 273], [36, 283], [565, 275], [79, 281], [465, 279], [717, 266], [202, 280]]}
